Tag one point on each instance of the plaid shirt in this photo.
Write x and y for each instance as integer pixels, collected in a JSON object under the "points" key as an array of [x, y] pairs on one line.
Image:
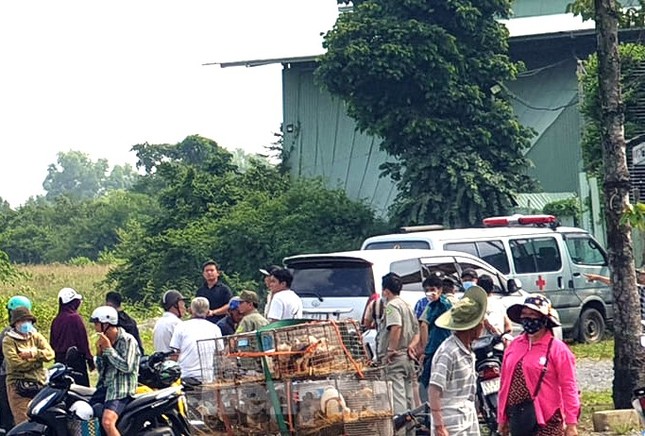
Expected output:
{"points": [[118, 367]]}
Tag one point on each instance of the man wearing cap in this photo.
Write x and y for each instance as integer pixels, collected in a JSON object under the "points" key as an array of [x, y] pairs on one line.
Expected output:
{"points": [[266, 273], [285, 304], [251, 318], [174, 305], [468, 278], [452, 386], [398, 338], [228, 324]]}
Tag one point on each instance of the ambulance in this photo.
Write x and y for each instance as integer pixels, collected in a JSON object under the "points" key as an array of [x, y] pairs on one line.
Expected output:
{"points": [[546, 257]]}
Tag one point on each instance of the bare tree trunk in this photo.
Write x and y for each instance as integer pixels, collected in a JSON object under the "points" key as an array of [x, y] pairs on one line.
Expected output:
{"points": [[629, 356]]}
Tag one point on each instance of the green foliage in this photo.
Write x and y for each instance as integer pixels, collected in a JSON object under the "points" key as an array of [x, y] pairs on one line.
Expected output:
{"points": [[8, 274], [568, 207], [421, 76], [631, 57], [630, 12], [208, 209], [43, 231], [78, 177], [634, 215]]}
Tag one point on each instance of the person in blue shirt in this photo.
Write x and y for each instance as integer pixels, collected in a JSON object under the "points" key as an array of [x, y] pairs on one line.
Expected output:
{"points": [[431, 335]]}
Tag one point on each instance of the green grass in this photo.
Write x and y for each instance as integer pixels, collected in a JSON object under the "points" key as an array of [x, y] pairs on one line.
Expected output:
{"points": [[600, 350], [41, 284]]}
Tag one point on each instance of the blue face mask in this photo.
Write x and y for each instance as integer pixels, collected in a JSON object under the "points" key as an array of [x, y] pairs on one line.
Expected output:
{"points": [[26, 327], [467, 285]]}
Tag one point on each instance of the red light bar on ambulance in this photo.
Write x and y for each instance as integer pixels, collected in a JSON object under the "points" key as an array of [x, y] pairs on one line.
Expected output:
{"points": [[524, 220]]}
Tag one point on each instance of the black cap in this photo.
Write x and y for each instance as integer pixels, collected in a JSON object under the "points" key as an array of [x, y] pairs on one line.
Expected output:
{"points": [[469, 272], [170, 298], [267, 270]]}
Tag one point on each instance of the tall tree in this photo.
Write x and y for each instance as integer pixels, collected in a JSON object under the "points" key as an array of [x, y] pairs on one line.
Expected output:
{"points": [[425, 77], [629, 356], [75, 175]]}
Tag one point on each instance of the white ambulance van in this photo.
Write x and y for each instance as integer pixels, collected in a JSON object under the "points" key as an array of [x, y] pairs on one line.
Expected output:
{"points": [[545, 257]]}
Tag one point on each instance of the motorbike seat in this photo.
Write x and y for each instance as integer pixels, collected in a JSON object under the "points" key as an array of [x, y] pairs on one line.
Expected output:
{"points": [[149, 397], [82, 391]]}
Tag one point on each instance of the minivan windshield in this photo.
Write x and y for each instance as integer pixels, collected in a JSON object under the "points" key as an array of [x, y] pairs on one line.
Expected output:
{"points": [[333, 279]]}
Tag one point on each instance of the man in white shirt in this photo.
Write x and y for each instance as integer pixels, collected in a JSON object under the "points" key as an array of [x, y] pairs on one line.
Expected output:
{"points": [[285, 304], [496, 321], [175, 307], [195, 341]]}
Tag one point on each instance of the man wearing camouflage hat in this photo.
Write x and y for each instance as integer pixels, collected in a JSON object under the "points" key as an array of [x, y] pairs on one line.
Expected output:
{"points": [[251, 318]]}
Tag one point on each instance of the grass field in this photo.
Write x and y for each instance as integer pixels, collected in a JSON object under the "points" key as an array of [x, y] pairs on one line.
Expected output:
{"points": [[41, 284]]}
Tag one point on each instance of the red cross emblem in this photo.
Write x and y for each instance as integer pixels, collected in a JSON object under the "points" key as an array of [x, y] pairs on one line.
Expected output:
{"points": [[541, 283]]}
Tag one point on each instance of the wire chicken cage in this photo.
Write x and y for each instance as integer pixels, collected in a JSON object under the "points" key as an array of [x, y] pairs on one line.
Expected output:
{"points": [[347, 407], [306, 350]]}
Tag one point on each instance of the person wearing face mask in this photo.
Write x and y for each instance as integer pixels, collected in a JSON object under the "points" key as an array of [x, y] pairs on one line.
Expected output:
{"points": [[468, 278], [25, 351], [431, 335], [540, 369]]}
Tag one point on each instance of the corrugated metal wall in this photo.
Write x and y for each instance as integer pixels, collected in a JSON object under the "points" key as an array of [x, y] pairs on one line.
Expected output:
{"points": [[531, 8], [322, 141]]}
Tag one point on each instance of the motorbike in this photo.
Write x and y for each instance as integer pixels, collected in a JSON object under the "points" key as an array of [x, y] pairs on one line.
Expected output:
{"points": [[50, 412], [418, 419], [489, 351]]}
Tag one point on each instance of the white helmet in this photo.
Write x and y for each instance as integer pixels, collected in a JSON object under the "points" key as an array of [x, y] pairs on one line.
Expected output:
{"points": [[66, 295], [82, 410], [105, 314]]}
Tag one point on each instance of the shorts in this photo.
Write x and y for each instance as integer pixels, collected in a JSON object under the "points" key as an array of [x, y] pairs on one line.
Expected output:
{"points": [[117, 406]]}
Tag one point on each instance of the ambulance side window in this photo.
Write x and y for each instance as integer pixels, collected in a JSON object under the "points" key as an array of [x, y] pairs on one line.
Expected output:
{"points": [[533, 255], [584, 250], [490, 251]]}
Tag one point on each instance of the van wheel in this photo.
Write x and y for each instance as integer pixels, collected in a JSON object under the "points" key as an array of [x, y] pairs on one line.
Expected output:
{"points": [[591, 326]]}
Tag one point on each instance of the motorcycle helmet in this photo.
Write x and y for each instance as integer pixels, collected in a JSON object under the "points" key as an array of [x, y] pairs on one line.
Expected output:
{"points": [[82, 410], [66, 295], [169, 372], [105, 315], [18, 301]]}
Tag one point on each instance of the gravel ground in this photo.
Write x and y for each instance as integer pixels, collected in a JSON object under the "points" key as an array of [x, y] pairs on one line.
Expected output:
{"points": [[595, 375]]}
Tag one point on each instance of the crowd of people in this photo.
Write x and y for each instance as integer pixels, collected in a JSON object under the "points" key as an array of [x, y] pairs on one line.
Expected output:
{"points": [[538, 372], [213, 313], [425, 351]]}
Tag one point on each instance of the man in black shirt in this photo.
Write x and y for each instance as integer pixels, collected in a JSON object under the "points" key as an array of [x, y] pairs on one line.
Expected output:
{"points": [[113, 299], [217, 293]]}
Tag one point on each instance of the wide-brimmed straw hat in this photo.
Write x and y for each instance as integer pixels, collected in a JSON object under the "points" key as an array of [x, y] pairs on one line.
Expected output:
{"points": [[467, 312], [537, 302]]}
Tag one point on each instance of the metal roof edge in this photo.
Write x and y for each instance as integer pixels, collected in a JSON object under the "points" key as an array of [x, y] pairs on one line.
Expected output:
{"points": [[269, 61]]}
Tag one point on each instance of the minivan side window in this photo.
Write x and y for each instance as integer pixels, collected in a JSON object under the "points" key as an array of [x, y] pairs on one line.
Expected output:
{"points": [[584, 250], [532, 255], [422, 245], [492, 252], [410, 273]]}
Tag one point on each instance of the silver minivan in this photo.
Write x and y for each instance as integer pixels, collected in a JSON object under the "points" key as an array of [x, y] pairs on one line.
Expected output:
{"points": [[544, 256]]}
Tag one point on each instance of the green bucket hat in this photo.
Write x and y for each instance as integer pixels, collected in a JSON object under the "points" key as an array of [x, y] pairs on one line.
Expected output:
{"points": [[467, 312]]}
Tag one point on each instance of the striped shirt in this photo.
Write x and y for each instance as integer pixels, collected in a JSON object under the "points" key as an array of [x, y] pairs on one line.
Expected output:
{"points": [[118, 367], [453, 371]]}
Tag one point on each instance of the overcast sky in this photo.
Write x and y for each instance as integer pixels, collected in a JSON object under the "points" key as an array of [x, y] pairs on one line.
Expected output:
{"points": [[102, 76]]}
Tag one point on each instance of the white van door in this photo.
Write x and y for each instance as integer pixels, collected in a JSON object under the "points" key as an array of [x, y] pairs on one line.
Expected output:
{"points": [[586, 256], [542, 266]]}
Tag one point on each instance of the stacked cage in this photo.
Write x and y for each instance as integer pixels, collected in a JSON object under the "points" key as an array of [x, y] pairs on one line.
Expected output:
{"points": [[290, 378]]}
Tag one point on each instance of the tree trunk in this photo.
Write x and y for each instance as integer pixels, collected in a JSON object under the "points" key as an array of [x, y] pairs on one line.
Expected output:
{"points": [[629, 356]]}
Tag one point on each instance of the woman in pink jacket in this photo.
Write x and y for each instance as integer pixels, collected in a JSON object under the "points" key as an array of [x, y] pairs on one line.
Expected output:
{"points": [[539, 367]]}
